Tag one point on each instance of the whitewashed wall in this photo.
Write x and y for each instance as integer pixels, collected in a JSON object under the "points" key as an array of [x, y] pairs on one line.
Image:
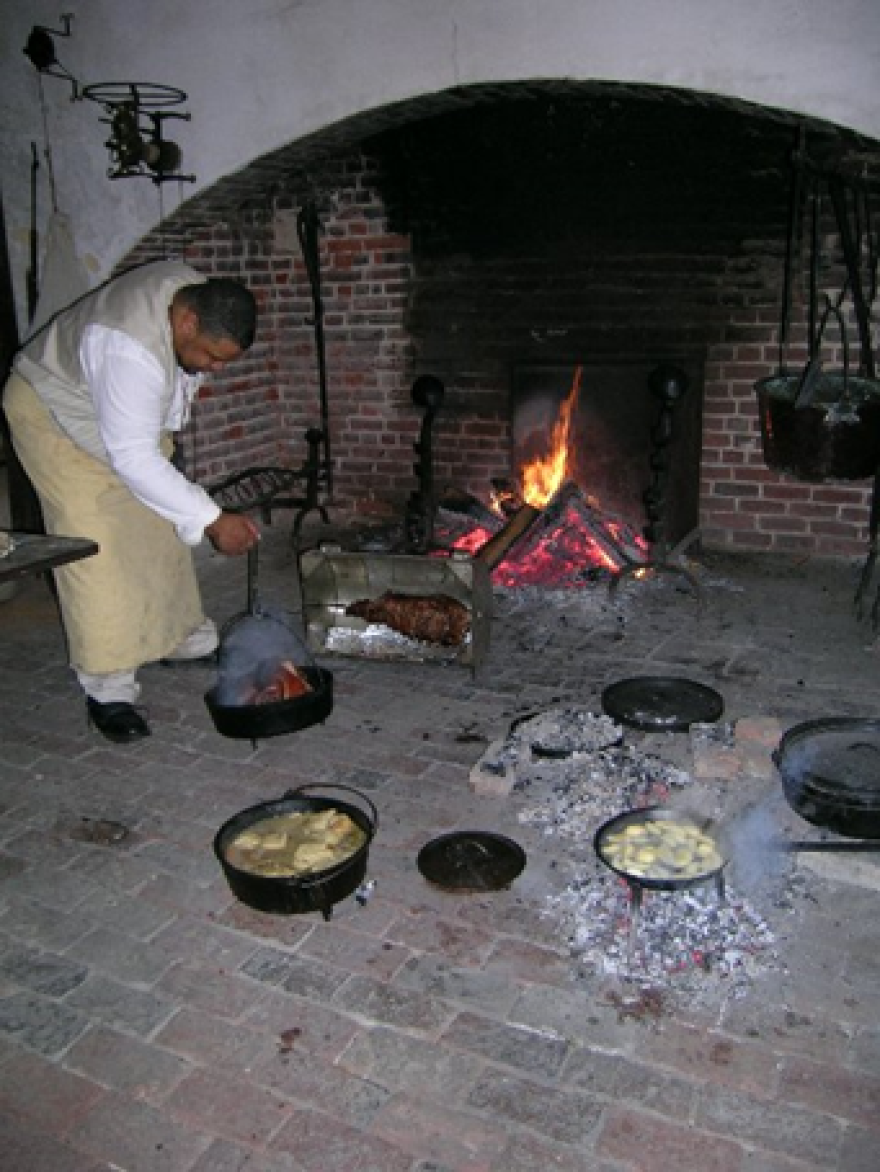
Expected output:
{"points": [[262, 73]]}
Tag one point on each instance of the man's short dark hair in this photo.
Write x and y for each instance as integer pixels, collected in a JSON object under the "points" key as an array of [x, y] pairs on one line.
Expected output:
{"points": [[225, 309]]}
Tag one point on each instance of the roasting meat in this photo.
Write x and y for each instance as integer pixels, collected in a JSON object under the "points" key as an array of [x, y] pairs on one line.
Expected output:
{"points": [[430, 618]]}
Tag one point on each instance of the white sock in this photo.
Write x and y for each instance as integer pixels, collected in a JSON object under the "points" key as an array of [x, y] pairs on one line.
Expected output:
{"points": [[118, 687], [202, 641]]}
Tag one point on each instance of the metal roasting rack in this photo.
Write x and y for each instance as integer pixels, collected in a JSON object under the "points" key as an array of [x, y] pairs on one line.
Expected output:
{"points": [[254, 488], [268, 487]]}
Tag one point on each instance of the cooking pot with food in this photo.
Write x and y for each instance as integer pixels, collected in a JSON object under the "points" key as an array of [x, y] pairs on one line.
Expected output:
{"points": [[277, 714], [298, 854], [268, 684], [660, 849]]}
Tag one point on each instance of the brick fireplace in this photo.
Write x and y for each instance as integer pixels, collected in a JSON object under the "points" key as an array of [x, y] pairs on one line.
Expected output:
{"points": [[479, 233]]}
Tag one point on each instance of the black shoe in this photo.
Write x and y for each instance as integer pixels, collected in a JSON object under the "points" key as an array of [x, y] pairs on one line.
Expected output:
{"points": [[209, 660], [117, 721]]}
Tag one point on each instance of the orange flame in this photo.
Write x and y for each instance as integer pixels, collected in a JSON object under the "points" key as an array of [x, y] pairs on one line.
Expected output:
{"points": [[544, 476]]}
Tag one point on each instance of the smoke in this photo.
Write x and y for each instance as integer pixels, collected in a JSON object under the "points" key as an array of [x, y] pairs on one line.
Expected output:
{"points": [[251, 651], [753, 843]]}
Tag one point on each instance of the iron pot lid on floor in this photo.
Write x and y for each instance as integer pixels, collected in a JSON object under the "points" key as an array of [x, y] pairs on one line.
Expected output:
{"points": [[471, 860], [661, 703]]}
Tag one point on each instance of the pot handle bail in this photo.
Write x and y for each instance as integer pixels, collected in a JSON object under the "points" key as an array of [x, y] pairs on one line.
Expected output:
{"points": [[810, 377], [301, 791]]}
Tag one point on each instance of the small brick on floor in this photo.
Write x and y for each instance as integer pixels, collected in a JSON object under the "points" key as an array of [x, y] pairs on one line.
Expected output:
{"points": [[653, 1145]]}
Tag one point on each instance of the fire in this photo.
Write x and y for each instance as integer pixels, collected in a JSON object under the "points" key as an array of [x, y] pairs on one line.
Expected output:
{"points": [[560, 536], [543, 477]]}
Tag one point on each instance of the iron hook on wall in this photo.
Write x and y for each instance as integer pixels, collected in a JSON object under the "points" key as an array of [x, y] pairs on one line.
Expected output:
{"points": [[40, 51]]}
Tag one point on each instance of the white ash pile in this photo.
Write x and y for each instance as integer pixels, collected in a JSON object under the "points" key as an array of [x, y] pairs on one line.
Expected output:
{"points": [[575, 771], [577, 768], [688, 941]]}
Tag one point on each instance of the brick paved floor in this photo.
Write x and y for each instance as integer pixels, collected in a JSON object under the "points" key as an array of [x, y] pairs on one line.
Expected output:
{"points": [[150, 1022]]}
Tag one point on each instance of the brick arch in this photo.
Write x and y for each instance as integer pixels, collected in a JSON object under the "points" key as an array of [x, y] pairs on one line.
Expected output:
{"points": [[244, 226], [295, 169]]}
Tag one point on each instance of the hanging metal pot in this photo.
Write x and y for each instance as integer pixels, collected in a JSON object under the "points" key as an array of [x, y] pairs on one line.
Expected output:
{"points": [[254, 648], [821, 425]]}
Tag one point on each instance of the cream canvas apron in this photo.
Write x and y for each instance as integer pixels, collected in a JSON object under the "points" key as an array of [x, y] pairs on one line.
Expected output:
{"points": [[137, 599]]}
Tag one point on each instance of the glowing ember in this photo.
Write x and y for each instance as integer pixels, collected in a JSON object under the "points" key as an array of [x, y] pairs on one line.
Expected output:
{"points": [[566, 538], [542, 479], [471, 542], [564, 553], [570, 541]]}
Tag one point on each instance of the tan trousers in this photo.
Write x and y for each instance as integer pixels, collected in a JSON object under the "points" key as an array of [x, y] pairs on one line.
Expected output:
{"points": [[137, 599]]}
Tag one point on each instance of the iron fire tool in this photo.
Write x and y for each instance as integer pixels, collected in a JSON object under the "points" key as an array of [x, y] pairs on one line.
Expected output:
{"points": [[308, 228], [668, 384], [317, 471], [421, 508]]}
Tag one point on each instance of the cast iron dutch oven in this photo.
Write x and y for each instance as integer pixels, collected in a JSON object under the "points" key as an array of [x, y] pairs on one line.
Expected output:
{"points": [[654, 814], [254, 643], [295, 895], [257, 721], [830, 772]]}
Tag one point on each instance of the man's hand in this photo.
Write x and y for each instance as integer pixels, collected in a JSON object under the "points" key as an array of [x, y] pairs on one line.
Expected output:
{"points": [[232, 533]]}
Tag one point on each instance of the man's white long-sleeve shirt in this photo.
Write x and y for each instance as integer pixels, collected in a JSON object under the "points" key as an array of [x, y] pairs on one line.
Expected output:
{"points": [[127, 385]]}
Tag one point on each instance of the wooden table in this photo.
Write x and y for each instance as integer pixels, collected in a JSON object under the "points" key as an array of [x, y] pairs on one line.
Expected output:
{"points": [[33, 553]]}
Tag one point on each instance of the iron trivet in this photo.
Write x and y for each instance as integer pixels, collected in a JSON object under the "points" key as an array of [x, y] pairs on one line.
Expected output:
{"points": [[661, 703], [471, 860]]}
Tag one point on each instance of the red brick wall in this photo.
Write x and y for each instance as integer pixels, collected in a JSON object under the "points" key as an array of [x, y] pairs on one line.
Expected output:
{"points": [[378, 298]]}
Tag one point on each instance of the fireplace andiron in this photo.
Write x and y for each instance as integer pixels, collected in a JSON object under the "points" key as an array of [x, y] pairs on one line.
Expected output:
{"points": [[421, 508], [668, 384]]}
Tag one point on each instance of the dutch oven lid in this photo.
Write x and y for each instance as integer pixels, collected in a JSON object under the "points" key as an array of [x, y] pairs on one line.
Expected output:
{"points": [[471, 860], [661, 703], [840, 755]]}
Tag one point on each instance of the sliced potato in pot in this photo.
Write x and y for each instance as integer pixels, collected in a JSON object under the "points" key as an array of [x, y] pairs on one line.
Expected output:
{"points": [[661, 849]]}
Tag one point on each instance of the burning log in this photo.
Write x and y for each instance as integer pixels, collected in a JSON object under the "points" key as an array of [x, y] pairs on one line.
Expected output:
{"points": [[608, 541], [465, 504], [615, 538], [499, 545], [559, 542]]}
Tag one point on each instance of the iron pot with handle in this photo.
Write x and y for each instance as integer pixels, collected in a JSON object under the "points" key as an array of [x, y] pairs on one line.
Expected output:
{"points": [[295, 895], [256, 721], [830, 771]]}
